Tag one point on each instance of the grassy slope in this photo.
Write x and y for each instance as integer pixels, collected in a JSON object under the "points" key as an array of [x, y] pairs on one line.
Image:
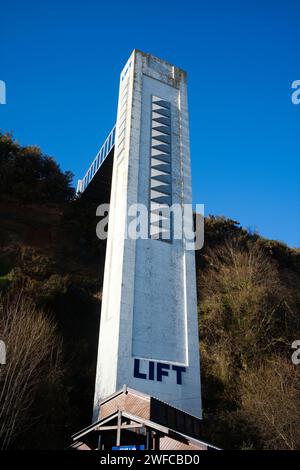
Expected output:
{"points": [[51, 252]]}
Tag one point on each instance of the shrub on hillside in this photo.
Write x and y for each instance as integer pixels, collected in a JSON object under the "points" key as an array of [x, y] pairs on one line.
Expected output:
{"points": [[30, 176]]}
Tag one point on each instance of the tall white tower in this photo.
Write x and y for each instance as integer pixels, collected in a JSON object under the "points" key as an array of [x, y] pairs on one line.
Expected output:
{"points": [[149, 330]]}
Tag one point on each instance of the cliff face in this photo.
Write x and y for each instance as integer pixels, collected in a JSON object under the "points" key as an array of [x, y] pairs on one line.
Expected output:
{"points": [[46, 256], [52, 255], [49, 253], [249, 304]]}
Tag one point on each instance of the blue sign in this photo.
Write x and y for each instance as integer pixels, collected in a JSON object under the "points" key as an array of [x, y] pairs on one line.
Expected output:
{"points": [[135, 447]]}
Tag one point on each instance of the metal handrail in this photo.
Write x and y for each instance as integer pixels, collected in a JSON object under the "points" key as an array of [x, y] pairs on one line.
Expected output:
{"points": [[97, 162]]}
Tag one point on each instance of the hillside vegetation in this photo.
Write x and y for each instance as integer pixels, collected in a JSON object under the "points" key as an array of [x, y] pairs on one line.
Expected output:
{"points": [[51, 272]]}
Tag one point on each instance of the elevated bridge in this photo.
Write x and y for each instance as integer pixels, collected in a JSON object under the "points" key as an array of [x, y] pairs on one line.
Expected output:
{"points": [[96, 182]]}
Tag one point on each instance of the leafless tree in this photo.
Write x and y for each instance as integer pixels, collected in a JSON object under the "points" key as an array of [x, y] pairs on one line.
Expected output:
{"points": [[271, 401], [33, 350]]}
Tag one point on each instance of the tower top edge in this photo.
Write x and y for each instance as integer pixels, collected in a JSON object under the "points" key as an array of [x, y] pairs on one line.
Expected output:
{"points": [[150, 56]]}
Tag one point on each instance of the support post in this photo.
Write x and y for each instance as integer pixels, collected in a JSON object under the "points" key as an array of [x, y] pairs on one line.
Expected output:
{"points": [[156, 441], [148, 439], [119, 428], [99, 442]]}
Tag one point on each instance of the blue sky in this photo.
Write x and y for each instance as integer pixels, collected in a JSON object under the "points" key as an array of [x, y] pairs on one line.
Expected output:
{"points": [[61, 63]]}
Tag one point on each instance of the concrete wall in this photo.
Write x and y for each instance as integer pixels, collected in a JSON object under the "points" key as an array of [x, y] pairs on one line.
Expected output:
{"points": [[149, 309]]}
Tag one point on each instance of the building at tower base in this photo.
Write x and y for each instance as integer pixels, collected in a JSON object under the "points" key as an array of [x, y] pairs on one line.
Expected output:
{"points": [[131, 420]]}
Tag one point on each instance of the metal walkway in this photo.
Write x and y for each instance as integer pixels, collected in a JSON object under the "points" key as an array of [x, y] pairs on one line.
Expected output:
{"points": [[97, 162]]}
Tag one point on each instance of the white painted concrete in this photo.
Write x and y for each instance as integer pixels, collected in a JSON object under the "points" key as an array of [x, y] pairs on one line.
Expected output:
{"points": [[149, 307]]}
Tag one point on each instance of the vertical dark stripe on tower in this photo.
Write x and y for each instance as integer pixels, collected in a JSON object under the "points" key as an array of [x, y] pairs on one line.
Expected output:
{"points": [[160, 170]]}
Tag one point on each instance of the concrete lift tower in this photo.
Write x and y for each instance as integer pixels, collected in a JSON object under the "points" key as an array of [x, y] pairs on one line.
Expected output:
{"points": [[149, 331]]}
